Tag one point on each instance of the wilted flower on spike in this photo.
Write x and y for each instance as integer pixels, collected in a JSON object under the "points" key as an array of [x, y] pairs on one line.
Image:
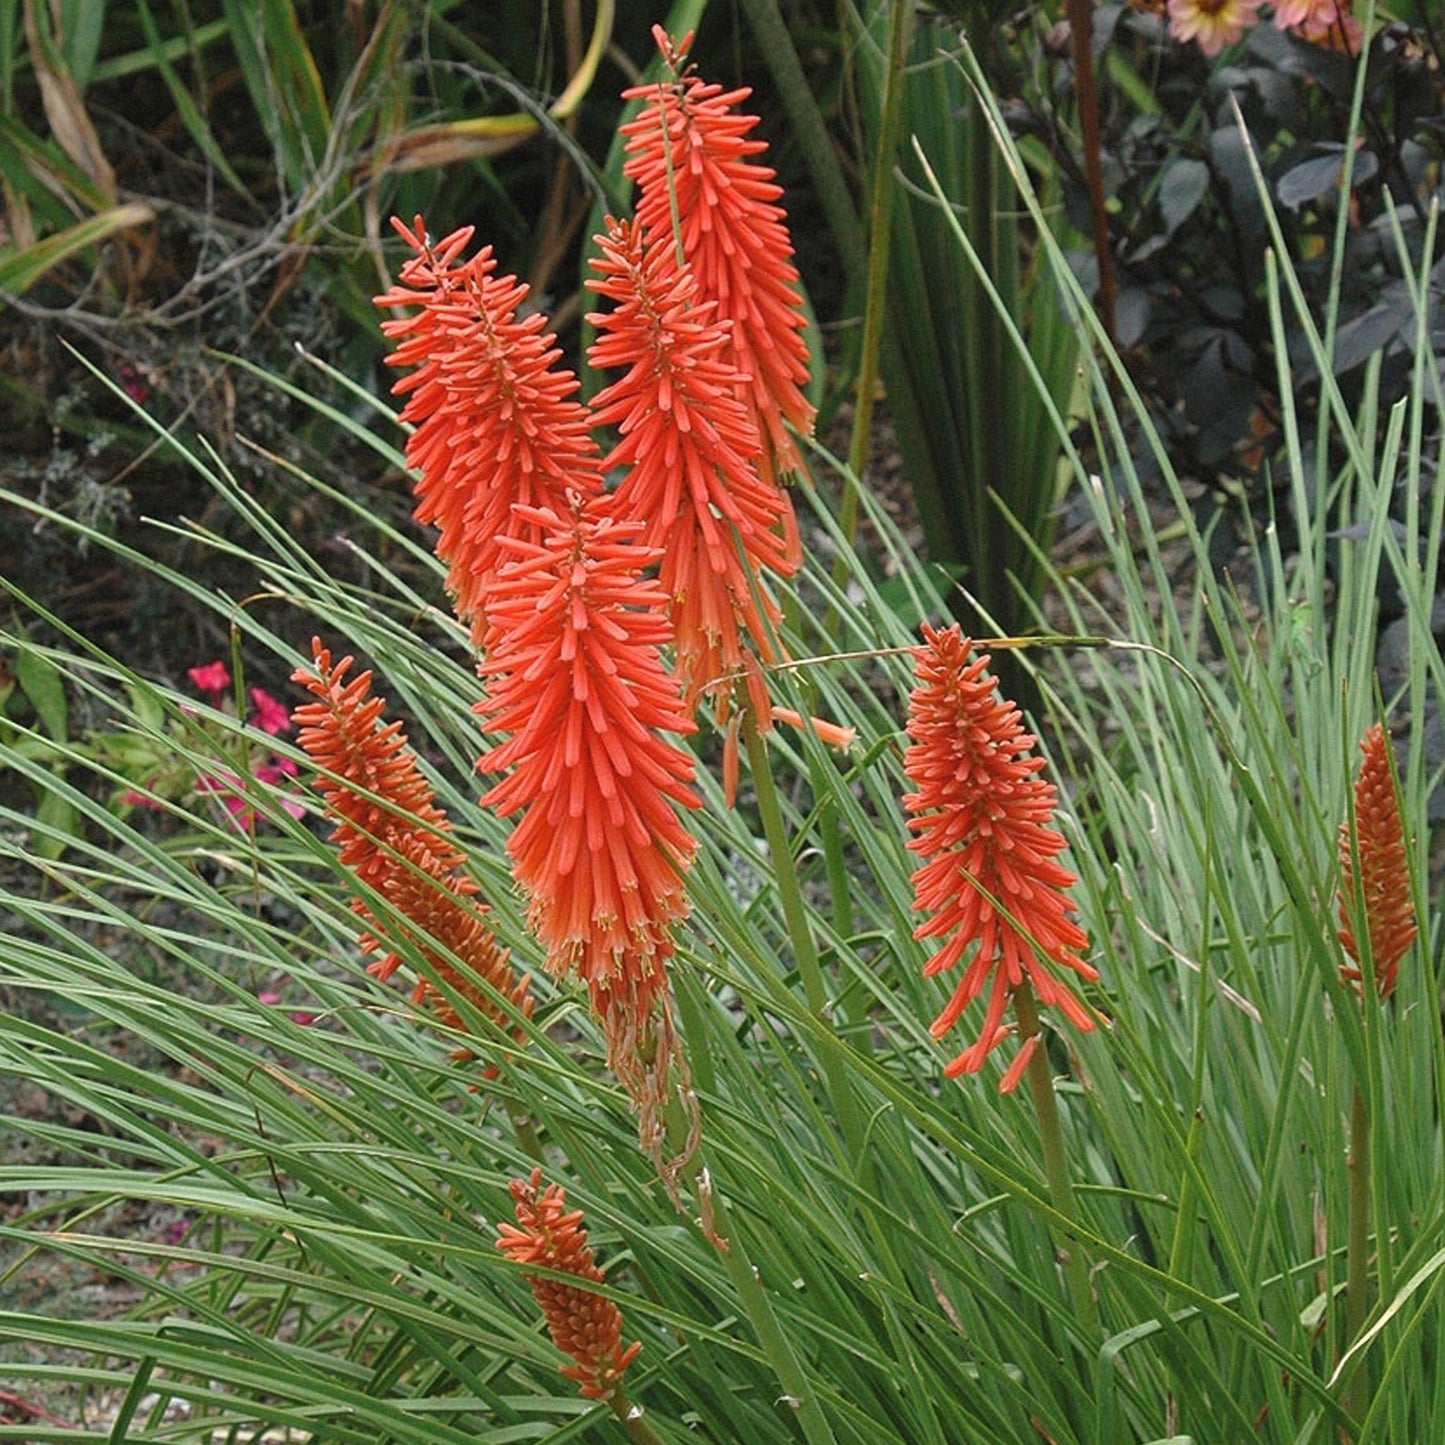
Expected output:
{"points": [[397, 840], [1321, 22], [689, 151], [1382, 889], [582, 1323], [498, 422], [982, 816], [575, 675], [1344, 32], [693, 452]]}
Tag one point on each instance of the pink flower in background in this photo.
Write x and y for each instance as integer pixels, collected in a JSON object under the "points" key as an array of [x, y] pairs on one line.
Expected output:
{"points": [[275, 773], [213, 679], [132, 798], [272, 996], [133, 383], [231, 790], [1288, 13], [1321, 22], [1211, 24], [226, 786], [1343, 32], [270, 716]]}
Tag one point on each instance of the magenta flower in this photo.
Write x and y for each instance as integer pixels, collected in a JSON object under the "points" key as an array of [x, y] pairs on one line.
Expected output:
{"points": [[270, 716], [272, 996], [213, 679], [231, 790], [133, 798]]}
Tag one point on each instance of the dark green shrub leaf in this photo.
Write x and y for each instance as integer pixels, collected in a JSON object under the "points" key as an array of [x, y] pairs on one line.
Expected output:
{"points": [[1314, 178], [1181, 189], [1366, 334]]}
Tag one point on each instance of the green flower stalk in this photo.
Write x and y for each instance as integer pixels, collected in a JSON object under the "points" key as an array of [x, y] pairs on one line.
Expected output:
{"points": [[991, 882]]}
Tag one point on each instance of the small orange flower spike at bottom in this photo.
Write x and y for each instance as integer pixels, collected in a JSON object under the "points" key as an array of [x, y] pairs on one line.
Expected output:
{"points": [[582, 1323], [1382, 889]]}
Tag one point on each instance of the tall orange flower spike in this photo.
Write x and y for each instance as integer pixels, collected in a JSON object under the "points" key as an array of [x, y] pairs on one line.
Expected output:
{"points": [[498, 422], [1382, 888], [582, 1323], [689, 151], [983, 823], [692, 450], [395, 839], [575, 675]]}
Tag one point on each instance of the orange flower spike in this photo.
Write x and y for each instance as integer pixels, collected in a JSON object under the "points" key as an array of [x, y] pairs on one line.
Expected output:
{"points": [[575, 675], [582, 1323], [1383, 884], [982, 819], [398, 843], [497, 421], [689, 151], [434, 902], [692, 450], [346, 734]]}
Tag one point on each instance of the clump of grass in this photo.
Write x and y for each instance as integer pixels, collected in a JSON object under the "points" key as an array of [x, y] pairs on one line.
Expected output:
{"points": [[866, 1250]]}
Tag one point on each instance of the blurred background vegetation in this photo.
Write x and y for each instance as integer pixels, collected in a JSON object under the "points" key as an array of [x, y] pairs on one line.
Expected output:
{"points": [[192, 190]]}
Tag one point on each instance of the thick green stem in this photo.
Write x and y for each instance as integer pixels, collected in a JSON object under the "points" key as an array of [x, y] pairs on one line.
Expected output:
{"points": [[795, 910], [775, 1344], [1081, 26], [879, 228], [632, 1418], [1056, 1164], [1357, 1240], [810, 131], [800, 933], [716, 1222]]}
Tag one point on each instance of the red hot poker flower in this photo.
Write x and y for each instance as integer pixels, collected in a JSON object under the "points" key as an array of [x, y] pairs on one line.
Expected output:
{"points": [[497, 421], [1382, 888], [394, 837], [575, 675], [582, 1323], [693, 452], [982, 818], [689, 151]]}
